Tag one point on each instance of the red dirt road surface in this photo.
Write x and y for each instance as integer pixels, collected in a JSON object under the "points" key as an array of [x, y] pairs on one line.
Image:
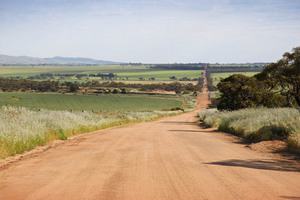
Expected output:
{"points": [[172, 158]]}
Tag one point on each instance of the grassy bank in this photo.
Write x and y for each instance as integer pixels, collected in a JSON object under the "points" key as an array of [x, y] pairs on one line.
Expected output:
{"points": [[258, 124], [22, 129]]}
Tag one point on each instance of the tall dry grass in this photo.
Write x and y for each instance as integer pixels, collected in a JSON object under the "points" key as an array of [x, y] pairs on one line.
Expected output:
{"points": [[22, 129], [258, 123]]}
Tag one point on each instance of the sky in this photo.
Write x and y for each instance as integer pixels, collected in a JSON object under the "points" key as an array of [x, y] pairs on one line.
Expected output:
{"points": [[151, 31]]}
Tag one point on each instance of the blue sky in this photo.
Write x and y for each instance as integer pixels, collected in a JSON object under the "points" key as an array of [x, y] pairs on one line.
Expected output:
{"points": [[151, 31]]}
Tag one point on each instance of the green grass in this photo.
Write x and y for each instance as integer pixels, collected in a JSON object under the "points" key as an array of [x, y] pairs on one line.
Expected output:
{"points": [[258, 123], [86, 102], [217, 76]]}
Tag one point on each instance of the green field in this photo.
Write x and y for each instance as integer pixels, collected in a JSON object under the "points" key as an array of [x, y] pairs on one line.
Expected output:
{"points": [[160, 75], [218, 76], [87, 102], [25, 71], [128, 72]]}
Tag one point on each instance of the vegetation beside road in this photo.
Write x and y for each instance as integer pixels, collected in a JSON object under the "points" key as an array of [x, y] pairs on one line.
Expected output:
{"points": [[261, 107], [258, 124], [22, 129]]}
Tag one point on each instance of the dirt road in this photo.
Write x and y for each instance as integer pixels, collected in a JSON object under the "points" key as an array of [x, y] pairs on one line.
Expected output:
{"points": [[172, 158]]}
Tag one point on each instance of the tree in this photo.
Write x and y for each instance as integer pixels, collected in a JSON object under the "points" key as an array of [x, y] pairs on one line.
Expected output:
{"points": [[73, 87], [115, 91], [123, 91], [173, 78], [239, 91], [284, 76]]}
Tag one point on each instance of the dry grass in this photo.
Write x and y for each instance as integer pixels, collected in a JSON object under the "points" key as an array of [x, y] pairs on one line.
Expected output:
{"points": [[22, 129], [258, 124]]}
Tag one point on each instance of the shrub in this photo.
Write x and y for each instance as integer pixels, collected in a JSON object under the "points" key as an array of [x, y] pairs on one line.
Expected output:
{"points": [[258, 123]]}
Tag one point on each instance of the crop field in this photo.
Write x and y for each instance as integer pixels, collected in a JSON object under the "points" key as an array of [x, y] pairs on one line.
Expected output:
{"points": [[128, 72], [155, 82], [37, 101], [25, 71], [218, 76], [161, 75]]}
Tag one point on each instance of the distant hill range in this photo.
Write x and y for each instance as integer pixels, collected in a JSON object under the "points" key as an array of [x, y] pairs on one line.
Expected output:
{"points": [[26, 60]]}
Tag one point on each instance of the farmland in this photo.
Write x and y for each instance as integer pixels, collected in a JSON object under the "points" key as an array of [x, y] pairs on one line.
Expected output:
{"points": [[73, 102], [79, 111], [128, 72]]}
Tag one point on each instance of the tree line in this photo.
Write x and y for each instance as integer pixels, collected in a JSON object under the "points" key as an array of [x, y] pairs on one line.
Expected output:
{"points": [[195, 66], [11, 84], [103, 76], [210, 85], [212, 68], [225, 69]]}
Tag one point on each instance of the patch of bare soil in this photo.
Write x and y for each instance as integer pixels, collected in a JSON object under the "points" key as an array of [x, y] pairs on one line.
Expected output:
{"points": [[269, 146], [277, 149]]}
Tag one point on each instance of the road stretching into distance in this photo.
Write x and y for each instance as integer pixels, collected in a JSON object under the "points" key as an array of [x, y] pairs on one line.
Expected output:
{"points": [[171, 158]]}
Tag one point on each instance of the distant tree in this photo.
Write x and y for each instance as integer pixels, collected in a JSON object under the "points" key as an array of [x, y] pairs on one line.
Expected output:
{"points": [[123, 91], [173, 78], [184, 79], [73, 87], [115, 91], [178, 92], [210, 83]]}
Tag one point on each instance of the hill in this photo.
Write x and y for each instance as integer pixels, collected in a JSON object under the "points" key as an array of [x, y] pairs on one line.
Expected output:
{"points": [[27, 60]]}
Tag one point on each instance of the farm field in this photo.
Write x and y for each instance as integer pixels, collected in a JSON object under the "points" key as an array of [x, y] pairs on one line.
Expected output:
{"points": [[33, 70], [163, 75], [26, 71], [37, 101], [130, 72], [218, 76]]}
